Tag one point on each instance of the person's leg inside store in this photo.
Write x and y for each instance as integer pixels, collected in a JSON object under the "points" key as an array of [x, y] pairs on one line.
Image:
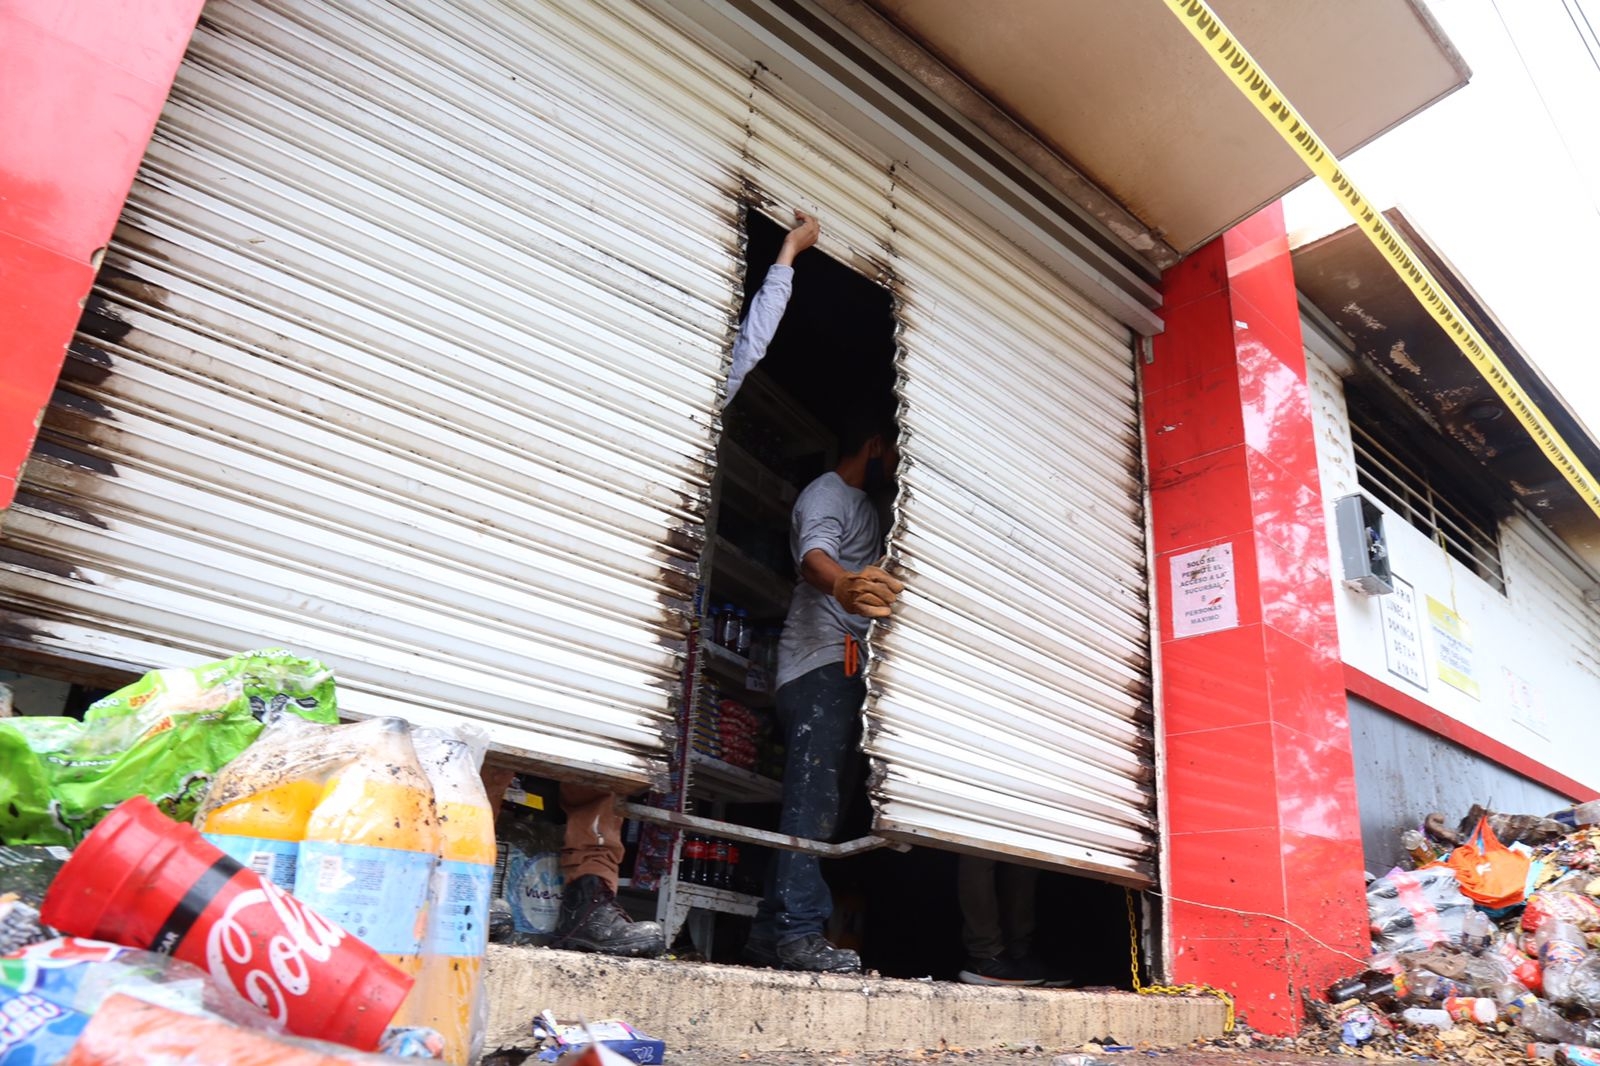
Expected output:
{"points": [[821, 715], [591, 853]]}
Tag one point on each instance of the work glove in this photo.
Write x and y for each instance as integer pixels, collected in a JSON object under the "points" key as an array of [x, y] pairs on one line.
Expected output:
{"points": [[868, 592]]}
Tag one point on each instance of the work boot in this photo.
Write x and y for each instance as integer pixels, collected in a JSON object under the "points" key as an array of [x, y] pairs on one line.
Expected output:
{"points": [[591, 920], [814, 954], [760, 953]]}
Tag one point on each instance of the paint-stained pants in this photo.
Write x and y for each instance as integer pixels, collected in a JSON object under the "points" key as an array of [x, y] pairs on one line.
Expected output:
{"points": [[997, 902], [821, 717], [593, 843]]}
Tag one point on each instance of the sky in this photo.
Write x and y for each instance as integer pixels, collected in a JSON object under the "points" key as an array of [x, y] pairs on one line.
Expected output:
{"points": [[1503, 176]]}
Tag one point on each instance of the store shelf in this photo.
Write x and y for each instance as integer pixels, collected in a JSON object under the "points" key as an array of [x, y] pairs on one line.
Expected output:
{"points": [[762, 401], [750, 487], [733, 669], [711, 778], [716, 899], [737, 578]]}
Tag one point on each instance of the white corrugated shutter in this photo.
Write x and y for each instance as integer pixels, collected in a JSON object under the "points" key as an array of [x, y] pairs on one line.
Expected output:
{"points": [[406, 355], [1009, 709], [1010, 695]]}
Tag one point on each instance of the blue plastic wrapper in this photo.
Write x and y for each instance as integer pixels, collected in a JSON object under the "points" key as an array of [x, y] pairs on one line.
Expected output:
{"points": [[35, 1031]]}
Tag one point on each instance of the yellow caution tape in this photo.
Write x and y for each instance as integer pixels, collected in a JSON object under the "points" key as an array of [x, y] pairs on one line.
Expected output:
{"points": [[1247, 75]]}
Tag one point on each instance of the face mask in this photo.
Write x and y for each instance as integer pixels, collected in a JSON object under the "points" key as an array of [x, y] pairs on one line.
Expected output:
{"points": [[876, 475]]}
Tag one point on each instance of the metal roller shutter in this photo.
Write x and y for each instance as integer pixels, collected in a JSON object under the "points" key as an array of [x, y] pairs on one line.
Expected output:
{"points": [[1010, 695], [407, 354]]}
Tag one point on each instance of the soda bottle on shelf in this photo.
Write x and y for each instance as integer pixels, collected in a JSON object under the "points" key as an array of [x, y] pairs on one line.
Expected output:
{"points": [[371, 845], [743, 634], [719, 864], [735, 880], [692, 861]]}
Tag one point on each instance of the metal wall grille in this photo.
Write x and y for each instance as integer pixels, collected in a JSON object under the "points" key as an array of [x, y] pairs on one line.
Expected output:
{"points": [[1470, 536]]}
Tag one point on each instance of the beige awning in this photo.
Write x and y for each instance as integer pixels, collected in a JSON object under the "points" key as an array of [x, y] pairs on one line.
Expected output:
{"points": [[1123, 93]]}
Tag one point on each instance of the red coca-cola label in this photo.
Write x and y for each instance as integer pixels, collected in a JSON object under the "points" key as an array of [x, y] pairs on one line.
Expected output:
{"points": [[251, 935]]}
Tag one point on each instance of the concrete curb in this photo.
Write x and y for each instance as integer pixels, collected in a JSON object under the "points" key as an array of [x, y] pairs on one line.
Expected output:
{"points": [[702, 1007]]}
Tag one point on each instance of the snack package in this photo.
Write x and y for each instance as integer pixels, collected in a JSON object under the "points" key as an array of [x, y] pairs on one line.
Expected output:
{"points": [[25, 876], [77, 975], [163, 737], [1558, 906]]}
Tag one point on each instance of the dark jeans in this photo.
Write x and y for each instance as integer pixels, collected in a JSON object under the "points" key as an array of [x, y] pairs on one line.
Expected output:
{"points": [[821, 717]]}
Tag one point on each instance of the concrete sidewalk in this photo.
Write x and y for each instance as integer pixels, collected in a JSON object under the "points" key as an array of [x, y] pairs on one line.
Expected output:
{"points": [[696, 1006]]}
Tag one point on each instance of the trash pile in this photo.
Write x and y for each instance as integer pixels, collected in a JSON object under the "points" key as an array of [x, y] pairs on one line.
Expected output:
{"points": [[315, 912], [1490, 940]]}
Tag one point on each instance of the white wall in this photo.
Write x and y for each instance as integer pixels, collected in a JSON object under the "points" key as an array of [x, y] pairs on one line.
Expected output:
{"points": [[1535, 648]]}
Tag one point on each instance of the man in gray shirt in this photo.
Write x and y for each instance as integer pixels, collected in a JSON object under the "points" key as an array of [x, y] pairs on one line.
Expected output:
{"points": [[834, 537]]}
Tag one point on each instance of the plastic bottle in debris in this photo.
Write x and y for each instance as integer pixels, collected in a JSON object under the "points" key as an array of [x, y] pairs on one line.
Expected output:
{"points": [[1476, 930], [1427, 1017], [449, 995], [1583, 984], [1425, 986], [1372, 986], [263, 830], [1561, 948], [1579, 816], [371, 845], [1479, 1009], [1417, 847], [1544, 1022]]}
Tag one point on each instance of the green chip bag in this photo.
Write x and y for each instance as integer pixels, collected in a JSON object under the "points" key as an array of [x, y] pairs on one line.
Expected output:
{"points": [[163, 737]]}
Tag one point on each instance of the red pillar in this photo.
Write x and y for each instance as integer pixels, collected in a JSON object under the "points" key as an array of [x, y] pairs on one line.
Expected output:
{"points": [[1264, 844], [82, 86]]}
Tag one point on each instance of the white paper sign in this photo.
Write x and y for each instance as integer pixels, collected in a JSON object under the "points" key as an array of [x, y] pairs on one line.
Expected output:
{"points": [[1204, 596], [1402, 634], [1525, 708]]}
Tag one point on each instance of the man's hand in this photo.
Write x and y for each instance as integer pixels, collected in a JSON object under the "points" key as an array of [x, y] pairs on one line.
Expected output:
{"points": [[869, 592], [804, 235]]}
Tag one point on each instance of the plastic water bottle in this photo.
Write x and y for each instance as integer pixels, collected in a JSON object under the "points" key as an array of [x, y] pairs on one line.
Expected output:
{"points": [[1476, 930], [371, 845], [1424, 1017], [742, 632]]}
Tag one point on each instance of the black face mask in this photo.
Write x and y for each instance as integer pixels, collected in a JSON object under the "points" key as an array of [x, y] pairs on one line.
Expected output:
{"points": [[876, 477]]}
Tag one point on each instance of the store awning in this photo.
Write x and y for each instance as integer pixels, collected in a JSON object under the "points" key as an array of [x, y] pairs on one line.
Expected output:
{"points": [[1123, 94], [1346, 279]]}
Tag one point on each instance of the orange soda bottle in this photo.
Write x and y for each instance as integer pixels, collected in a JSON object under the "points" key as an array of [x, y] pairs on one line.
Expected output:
{"points": [[263, 830], [258, 806], [371, 844], [450, 994]]}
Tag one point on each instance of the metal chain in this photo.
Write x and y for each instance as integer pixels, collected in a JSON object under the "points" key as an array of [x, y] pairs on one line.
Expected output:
{"points": [[1169, 990]]}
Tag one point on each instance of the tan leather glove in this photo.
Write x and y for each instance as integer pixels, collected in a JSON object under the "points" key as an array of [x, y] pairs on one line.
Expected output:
{"points": [[869, 592]]}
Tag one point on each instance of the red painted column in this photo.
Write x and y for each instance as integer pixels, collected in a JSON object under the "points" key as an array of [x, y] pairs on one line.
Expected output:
{"points": [[1264, 845], [81, 87]]}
